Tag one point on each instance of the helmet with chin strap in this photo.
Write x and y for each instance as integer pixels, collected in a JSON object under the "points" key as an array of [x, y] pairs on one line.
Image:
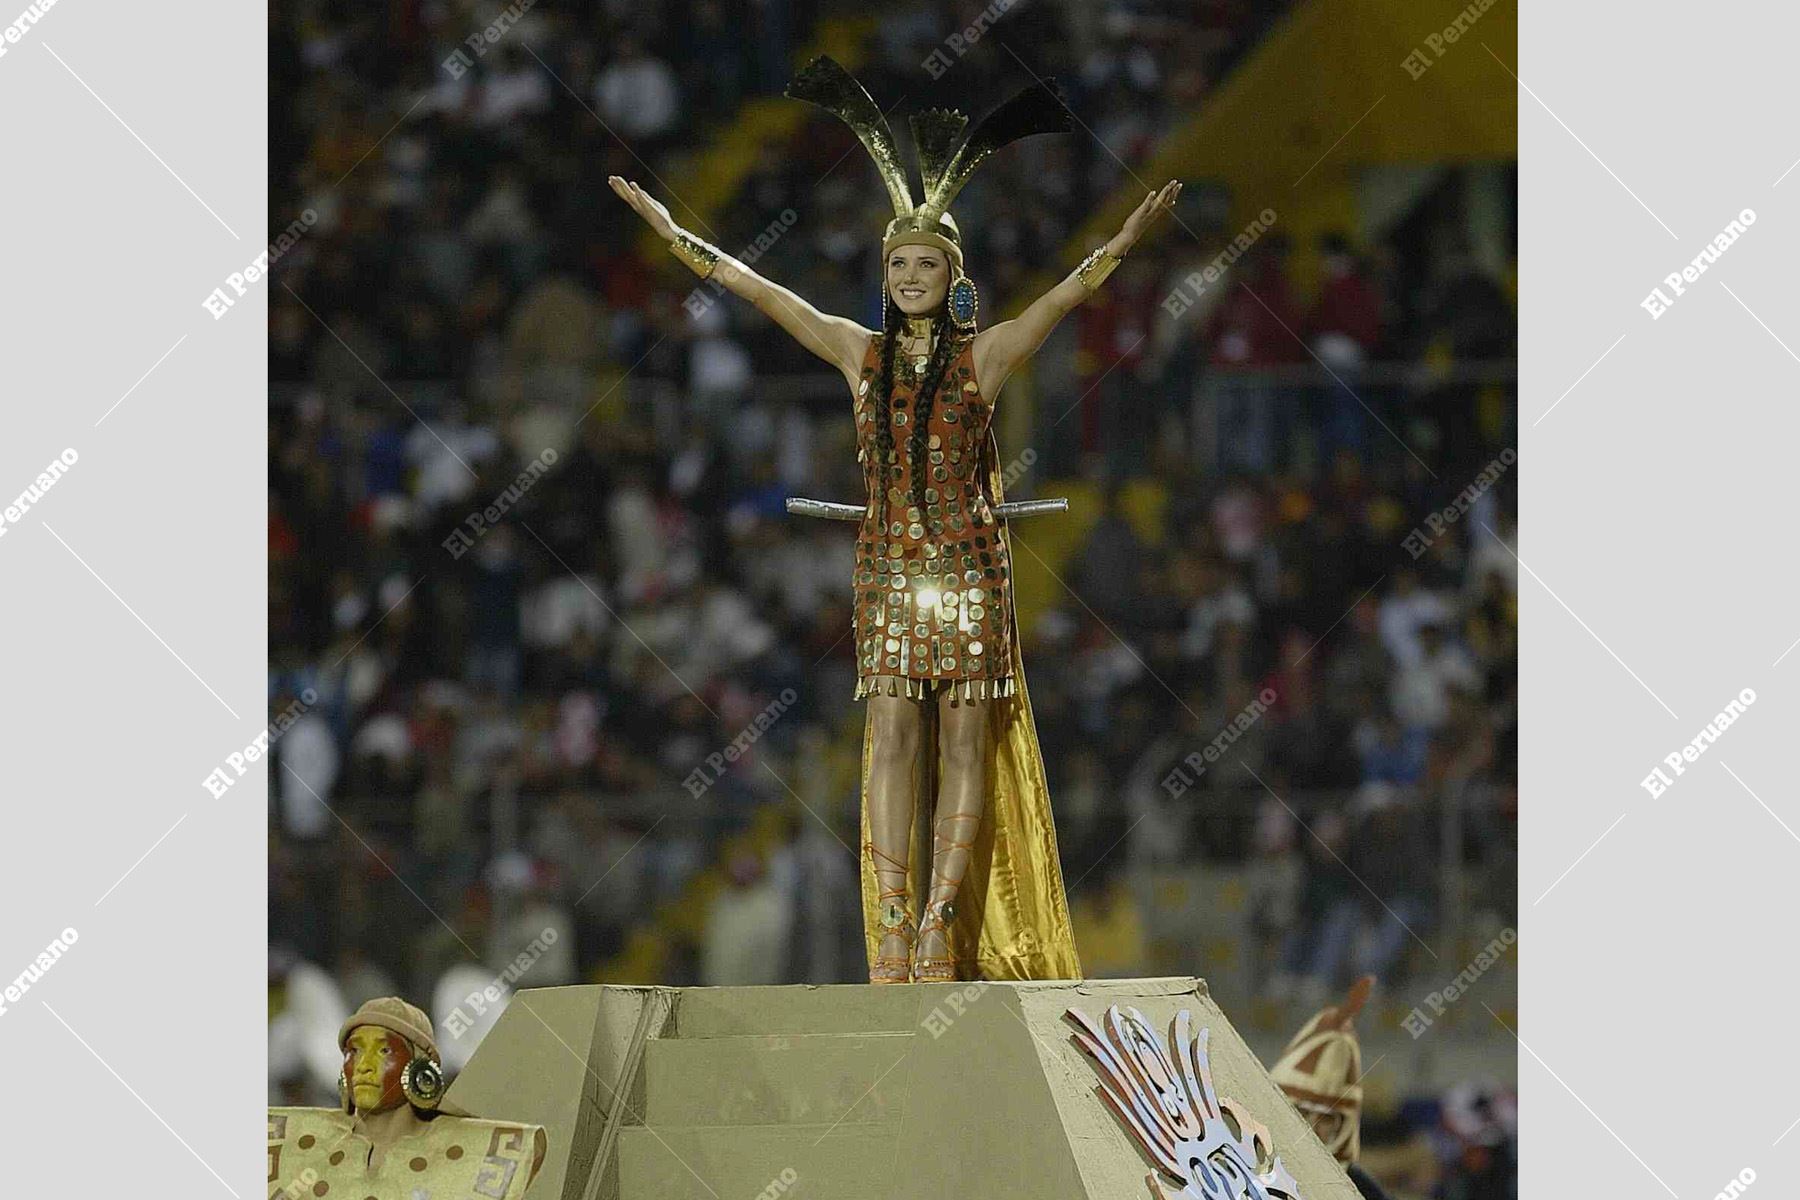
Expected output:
{"points": [[422, 1078], [1321, 1072]]}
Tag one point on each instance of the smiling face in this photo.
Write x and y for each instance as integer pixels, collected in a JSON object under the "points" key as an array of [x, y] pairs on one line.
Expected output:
{"points": [[373, 1060], [918, 277]]}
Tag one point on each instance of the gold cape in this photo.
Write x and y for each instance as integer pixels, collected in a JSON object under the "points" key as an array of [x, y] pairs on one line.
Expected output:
{"points": [[1012, 916]]}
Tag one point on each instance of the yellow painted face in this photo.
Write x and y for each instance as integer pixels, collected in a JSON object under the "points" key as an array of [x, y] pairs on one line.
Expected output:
{"points": [[373, 1060], [918, 278]]}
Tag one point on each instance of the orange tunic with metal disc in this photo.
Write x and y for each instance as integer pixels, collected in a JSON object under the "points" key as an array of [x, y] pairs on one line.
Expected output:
{"points": [[932, 582]]}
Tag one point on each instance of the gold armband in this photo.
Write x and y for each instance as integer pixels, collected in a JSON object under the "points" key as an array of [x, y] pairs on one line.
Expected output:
{"points": [[1096, 267], [701, 257]]}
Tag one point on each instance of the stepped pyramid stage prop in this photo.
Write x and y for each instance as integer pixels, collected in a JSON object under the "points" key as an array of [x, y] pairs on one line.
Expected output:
{"points": [[1055, 1090]]}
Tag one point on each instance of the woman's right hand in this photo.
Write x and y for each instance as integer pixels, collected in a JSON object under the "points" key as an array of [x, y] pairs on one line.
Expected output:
{"points": [[654, 212]]}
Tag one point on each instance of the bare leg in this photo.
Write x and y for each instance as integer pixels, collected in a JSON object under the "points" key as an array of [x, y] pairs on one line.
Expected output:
{"points": [[963, 732], [893, 757]]}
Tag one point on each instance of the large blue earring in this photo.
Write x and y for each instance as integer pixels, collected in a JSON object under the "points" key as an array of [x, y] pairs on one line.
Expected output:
{"points": [[965, 302]]}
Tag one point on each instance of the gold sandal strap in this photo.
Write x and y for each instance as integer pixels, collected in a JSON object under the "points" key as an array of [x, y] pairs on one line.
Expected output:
{"points": [[933, 917], [875, 852], [956, 843]]}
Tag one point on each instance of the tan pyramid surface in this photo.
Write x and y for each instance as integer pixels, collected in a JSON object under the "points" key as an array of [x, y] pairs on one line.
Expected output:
{"points": [[846, 1092]]}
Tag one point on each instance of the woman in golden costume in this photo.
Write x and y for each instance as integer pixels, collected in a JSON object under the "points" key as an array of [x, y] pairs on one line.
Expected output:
{"points": [[934, 616]]}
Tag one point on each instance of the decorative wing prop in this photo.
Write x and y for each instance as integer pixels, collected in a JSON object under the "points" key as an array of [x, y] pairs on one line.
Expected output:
{"points": [[1210, 1147]]}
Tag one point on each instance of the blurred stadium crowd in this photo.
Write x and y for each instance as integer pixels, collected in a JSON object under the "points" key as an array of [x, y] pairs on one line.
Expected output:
{"points": [[508, 761]]}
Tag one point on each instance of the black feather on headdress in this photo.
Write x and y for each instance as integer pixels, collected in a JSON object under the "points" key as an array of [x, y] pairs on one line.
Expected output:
{"points": [[825, 83], [1036, 109], [944, 164]]}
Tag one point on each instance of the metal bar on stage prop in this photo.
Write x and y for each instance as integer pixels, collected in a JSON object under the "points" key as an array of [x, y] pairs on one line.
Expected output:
{"points": [[831, 511]]}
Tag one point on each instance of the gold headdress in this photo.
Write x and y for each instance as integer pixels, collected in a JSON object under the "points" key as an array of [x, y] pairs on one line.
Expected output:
{"points": [[1321, 1072], [946, 158]]}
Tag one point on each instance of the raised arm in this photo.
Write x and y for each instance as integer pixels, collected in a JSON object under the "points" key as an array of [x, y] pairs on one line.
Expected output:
{"points": [[838, 340], [1000, 348]]}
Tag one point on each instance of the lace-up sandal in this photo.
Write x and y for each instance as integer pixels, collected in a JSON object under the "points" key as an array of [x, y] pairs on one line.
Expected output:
{"points": [[895, 922], [940, 913]]}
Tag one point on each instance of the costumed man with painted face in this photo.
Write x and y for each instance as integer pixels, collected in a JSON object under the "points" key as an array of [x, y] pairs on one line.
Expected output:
{"points": [[388, 1141], [1321, 1073]]}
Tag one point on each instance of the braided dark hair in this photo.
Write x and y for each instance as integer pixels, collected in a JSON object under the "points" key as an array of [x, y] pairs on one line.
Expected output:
{"points": [[935, 371], [892, 323], [943, 348]]}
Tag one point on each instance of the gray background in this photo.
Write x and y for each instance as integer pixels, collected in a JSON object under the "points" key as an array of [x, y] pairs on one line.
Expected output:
{"points": [[1654, 1004], [1656, 538], [136, 1064]]}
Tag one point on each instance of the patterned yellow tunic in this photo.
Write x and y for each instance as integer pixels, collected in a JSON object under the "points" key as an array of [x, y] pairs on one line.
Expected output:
{"points": [[931, 585], [320, 1152]]}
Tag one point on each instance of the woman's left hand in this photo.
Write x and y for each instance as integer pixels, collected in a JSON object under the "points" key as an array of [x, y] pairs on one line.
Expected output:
{"points": [[1155, 205]]}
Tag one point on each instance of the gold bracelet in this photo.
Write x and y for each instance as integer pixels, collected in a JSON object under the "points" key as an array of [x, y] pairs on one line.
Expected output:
{"points": [[699, 256], [1096, 267]]}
